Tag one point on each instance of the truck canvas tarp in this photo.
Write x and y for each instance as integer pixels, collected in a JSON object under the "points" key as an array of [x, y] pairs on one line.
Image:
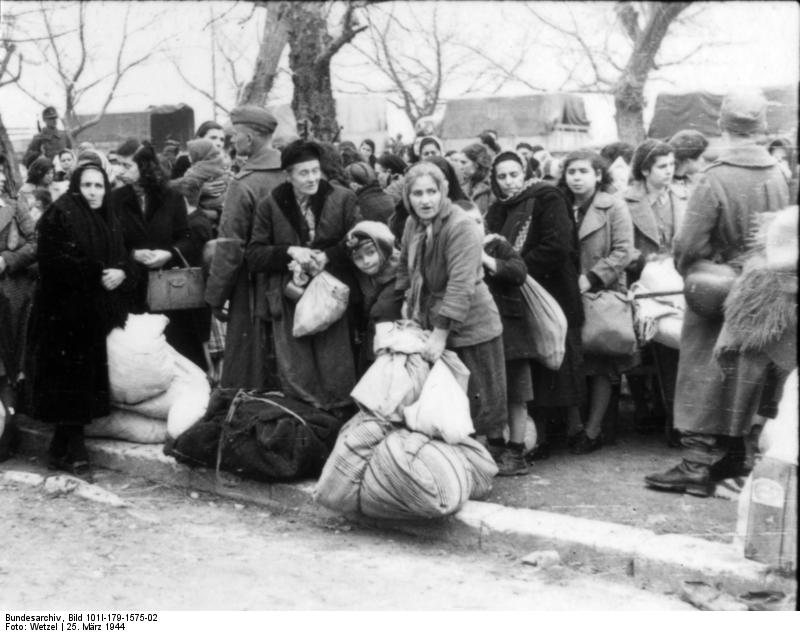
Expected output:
{"points": [[156, 123], [700, 111], [530, 115]]}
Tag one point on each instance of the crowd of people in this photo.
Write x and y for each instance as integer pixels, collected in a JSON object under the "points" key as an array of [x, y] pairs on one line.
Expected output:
{"points": [[446, 238]]}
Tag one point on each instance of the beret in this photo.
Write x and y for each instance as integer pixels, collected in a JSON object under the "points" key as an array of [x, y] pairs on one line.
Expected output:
{"points": [[255, 117], [300, 151], [743, 113]]}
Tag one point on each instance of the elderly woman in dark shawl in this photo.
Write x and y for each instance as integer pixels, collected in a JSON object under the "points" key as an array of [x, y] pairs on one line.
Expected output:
{"points": [[87, 279]]}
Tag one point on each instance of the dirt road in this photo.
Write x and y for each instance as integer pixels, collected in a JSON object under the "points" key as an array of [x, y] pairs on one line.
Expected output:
{"points": [[169, 550]]}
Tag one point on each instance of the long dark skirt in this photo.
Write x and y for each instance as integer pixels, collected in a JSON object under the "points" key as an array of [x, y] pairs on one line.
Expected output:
{"points": [[487, 384], [317, 369], [565, 386]]}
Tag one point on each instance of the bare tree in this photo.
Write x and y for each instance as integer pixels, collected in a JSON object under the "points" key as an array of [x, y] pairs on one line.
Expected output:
{"points": [[420, 58], [311, 48], [77, 73], [617, 52], [273, 40]]}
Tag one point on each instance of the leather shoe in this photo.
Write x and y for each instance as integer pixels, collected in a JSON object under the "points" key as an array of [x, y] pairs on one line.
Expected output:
{"points": [[586, 444], [691, 478]]}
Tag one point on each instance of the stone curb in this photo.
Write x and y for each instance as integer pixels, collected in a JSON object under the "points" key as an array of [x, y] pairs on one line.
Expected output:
{"points": [[659, 562]]}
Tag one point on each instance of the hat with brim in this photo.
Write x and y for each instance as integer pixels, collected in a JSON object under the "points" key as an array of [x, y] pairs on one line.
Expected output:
{"points": [[49, 113], [255, 117]]}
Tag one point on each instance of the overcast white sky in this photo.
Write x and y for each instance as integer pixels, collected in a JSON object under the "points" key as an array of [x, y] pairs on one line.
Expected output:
{"points": [[762, 50]]}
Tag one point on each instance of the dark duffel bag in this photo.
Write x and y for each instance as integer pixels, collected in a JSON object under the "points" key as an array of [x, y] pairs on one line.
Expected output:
{"points": [[258, 435]]}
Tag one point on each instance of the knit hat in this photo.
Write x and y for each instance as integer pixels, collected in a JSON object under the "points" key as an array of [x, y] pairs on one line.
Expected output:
{"points": [[743, 113], [201, 149], [368, 231]]}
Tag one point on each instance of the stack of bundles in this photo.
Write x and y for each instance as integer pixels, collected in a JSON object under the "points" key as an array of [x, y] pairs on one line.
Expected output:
{"points": [[258, 435], [383, 470], [389, 472], [155, 392], [659, 318]]}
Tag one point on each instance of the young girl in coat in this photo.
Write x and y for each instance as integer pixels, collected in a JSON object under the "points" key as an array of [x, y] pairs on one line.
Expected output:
{"points": [[208, 165], [371, 247]]}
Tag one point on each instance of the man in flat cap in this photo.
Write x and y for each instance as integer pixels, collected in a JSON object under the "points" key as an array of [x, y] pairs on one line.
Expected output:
{"points": [[714, 409], [245, 361], [50, 141]]}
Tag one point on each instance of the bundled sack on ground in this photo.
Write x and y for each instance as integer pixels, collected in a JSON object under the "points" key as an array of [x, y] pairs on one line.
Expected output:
{"points": [[128, 426], [258, 435], [388, 472], [150, 379]]}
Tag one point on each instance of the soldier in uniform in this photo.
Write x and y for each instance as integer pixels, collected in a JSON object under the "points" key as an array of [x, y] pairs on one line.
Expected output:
{"points": [[714, 409], [50, 141], [245, 362]]}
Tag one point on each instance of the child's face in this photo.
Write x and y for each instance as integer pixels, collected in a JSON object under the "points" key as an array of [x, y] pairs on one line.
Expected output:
{"points": [[367, 259]]}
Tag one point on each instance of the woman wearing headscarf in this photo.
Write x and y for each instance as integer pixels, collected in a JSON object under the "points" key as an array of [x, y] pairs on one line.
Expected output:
{"points": [[17, 280], [428, 147], [534, 217], [372, 251], [454, 192], [303, 223], [86, 280], [441, 274], [475, 172], [156, 231]]}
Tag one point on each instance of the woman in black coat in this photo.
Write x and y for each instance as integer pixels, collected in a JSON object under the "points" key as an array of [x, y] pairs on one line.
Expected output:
{"points": [[156, 231], [535, 219], [84, 291]]}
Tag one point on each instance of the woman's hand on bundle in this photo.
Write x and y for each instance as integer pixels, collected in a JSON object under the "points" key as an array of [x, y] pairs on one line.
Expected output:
{"points": [[112, 278], [318, 262], [300, 254], [434, 345], [584, 284]]}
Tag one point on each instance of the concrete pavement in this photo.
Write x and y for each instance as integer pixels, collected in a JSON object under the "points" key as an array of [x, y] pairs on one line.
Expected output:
{"points": [[661, 562]]}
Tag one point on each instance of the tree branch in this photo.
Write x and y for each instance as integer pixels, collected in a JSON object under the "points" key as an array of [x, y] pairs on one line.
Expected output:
{"points": [[197, 88]]}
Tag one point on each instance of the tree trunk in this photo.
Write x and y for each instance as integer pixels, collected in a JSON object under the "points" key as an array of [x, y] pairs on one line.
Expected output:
{"points": [[311, 70], [629, 116], [273, 41], [7, 150]]}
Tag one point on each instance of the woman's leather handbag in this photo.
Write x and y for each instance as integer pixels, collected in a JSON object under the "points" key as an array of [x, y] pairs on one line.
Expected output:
{"points": [[608, 328], [176, 288]]}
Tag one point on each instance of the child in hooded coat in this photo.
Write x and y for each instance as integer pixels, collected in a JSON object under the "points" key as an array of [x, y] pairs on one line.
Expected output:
{"points": [[371, 247], [208, 165]]}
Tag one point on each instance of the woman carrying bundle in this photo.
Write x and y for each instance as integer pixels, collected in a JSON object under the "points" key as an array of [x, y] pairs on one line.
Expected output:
{"points": [[534, 217], [441, 273]]}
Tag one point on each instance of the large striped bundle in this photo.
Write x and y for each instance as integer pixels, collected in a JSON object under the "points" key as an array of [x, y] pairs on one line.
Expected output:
{"points": [[393, 473]]}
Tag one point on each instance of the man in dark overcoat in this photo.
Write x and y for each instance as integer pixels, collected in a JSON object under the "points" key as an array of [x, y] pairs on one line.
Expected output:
{"points": [[50, 141], [245, 361], [715, 406]]}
